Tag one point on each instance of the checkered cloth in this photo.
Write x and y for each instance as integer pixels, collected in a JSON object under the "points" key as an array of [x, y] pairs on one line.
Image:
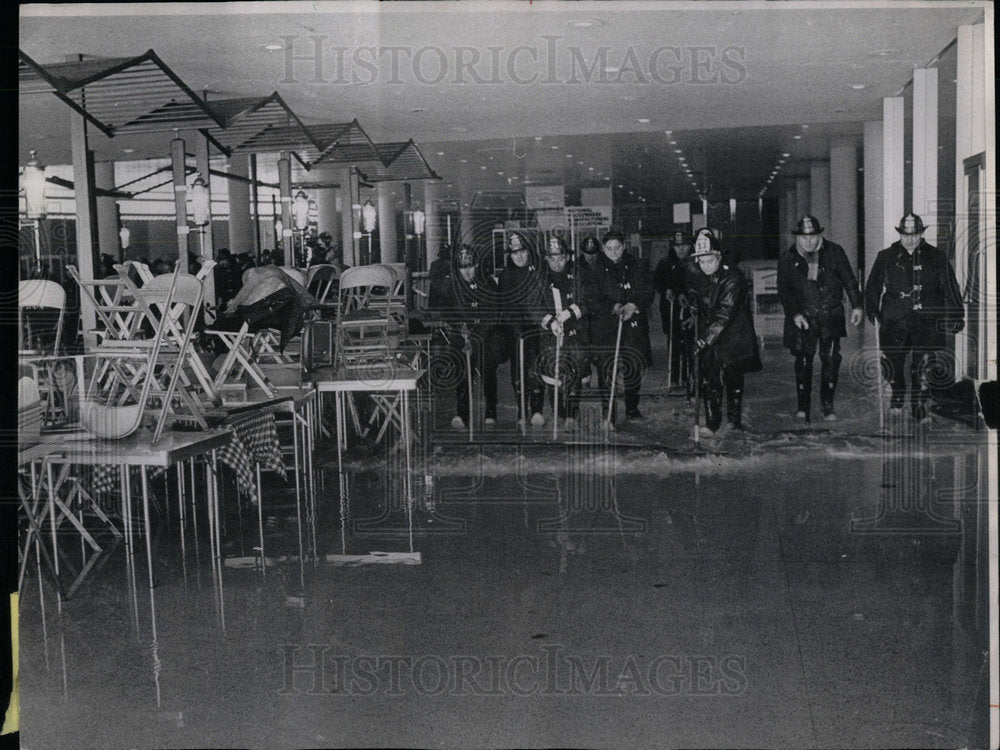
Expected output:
{"points": [[105, 478], [255, 440]]}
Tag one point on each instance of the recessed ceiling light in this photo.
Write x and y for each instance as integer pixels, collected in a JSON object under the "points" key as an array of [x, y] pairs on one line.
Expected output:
{"points": [[440, 153], [127, 150], [591, 169], [669, 132], [569, 156], [554, 147], [883, 52], [611, 69], [464, 161], [274, 47], [642, 119], [859, 86], [673, 143], [805, 127], [797, 137], [580, 163], [786, 155], [500, 172], [538, 137], [585, 23], [621, 186], [678, 151], [483, 167]]}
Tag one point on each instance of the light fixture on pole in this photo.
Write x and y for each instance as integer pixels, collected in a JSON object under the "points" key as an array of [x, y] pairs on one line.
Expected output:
{"points": [[369, 220], [419, 220], [201, 209], [34, 202], [125, 235], [300, 213]]}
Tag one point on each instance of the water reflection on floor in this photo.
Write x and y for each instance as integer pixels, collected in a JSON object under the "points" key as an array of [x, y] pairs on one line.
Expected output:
{"points": [[834, 602]]}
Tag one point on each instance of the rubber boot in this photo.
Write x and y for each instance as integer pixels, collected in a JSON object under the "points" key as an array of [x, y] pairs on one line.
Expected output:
{"points": [[803, 386], [734, 408], [713, 411]]}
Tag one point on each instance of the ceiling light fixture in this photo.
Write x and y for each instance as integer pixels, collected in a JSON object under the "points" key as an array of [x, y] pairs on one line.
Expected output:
{"points": [[797, 137], [585, 23], [859, 86], [883, 52], [786, 155], [273, 47], [643, 119]]}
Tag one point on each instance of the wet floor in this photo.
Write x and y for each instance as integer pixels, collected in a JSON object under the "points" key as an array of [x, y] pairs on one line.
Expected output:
{"points": [[828, 606], [794, 586]]}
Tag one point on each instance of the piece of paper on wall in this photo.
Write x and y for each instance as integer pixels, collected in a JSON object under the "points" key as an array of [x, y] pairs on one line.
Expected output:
{"points": [[682, 213]]}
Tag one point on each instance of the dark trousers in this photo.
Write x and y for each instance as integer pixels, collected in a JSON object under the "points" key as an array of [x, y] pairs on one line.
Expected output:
{"points": [[485, 356], [895, 349], [535, 394], [717, 379], [631, 369], [830, 359]]}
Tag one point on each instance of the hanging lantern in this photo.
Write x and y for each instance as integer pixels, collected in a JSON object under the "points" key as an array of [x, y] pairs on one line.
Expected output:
{"points": [[732, 209], [125, 235], [34, 187], [200, 201], [369, 216], [278, 226], [300, 209], [418, 222]]}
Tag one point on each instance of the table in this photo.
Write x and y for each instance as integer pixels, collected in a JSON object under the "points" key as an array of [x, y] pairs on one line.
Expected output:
{"points": [[300, 404], [81, 448], [379, 382]]}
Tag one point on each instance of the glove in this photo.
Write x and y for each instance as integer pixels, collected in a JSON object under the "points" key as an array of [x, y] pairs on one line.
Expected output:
{"points": [[556, 327], [856, 316], [700, 344], [801, 322], [626, 311]]}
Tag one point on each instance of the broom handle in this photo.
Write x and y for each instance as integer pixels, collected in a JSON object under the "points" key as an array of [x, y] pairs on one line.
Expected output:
{"points": [[614, 369]]}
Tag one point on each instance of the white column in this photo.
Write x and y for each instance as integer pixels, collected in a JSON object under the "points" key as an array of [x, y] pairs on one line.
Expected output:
{"points": [[348, 199], [893, 166], [83, 191], [327, 203], [432, 227], [844, 196], [873, 192], [240, 224], [387, 223], [107, 211], [819, 191], [925, 149], [178, 159], [287, 222], [206, 243]]}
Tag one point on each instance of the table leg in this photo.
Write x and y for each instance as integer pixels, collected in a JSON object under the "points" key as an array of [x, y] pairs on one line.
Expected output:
{"points": [[145, 522], [409, 486], [298, 495], [260, 524], [52, 515]]}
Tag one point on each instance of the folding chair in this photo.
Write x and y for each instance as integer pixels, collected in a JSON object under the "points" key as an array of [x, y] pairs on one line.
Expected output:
{"points": [[41, 308], [151, 371], [364, 317], [321, 283]]}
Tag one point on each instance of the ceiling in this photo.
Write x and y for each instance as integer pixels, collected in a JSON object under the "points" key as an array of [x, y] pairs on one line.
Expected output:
{"points": [[500, 94]]}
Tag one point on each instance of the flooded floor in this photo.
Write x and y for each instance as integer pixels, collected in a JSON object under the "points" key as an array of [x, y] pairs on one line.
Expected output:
{"points": [[806, 590]]}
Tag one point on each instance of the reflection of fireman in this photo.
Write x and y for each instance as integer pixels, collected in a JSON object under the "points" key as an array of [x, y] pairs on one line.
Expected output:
{"points": [[913, 292]]}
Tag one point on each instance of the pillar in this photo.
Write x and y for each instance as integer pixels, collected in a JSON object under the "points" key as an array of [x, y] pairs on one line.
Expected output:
{"points": [[86, 220], [348, 203], [287, 222], [327, 204], [240, 224], [177, 160], [206, 243], [925, 148], [386, 223], [107, 211], [893, 166], [843, 227], [819, 192], [432, 223], [873, 192]]}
